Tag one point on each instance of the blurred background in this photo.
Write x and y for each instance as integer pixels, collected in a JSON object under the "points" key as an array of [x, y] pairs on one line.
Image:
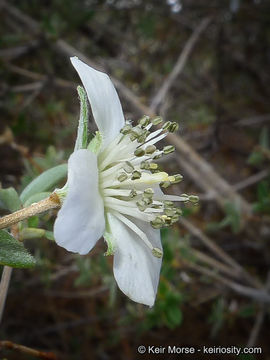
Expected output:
{"points": [[202, 64]]}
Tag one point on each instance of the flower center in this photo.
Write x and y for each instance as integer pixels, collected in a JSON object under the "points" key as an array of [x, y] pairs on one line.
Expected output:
{"points": [[130, 177]]}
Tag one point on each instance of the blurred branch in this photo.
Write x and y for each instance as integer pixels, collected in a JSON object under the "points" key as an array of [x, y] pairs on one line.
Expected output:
{"points": [[256, 294], [27, 350], [254, 120], [161, 95], [219, 251], [4, 285], [251, 180], [40, 77], [259, 319]]}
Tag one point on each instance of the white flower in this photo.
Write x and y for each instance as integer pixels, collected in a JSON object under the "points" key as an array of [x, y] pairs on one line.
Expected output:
{"points": [[115, 192]]}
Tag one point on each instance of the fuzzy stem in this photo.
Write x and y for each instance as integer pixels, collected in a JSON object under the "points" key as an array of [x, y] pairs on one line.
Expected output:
{"points": [[52, 202], [6, 274]]}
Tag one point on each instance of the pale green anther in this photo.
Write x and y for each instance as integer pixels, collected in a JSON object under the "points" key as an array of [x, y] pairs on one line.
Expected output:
{"points": [[153, 166], [178, 211], [171, 179], [167, 125], [149, 192], [169, 211], [150, 149], [165, 184], [126, 129], [193, 198], [144, 121], [136, 175], [158, 222], [128, 167], [141, 205], [142, 137], [132, 194], [139, 152], [168, 149], [185, 196], [147, 200], [173, 127], [143, 165], [175, 218], [177, 178], [157, 252], [168, 203], [122, 177], [157, 120]]}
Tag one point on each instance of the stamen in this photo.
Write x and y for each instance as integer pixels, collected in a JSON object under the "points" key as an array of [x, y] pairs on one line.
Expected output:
{"points": [[168, 149], [122, 177], [157, 252], [157, 120], [134, 228]]}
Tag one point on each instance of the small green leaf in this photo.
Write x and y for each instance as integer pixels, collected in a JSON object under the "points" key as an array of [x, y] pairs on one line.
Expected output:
{"points": [[44, 181], [36, 198], [10, 199], [31, 233], [95, 143], [49, 235], [13, 253], [82, 133]]}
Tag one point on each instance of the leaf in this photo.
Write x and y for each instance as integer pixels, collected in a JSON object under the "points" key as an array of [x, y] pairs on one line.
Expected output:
{"points": [[95, 143], [44, 181], [10, 199], [13, 253], [82, 133]]}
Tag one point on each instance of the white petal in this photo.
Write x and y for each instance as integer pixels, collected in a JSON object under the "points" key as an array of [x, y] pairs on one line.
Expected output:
{"points": [[80, 221], [135, 268], [105, 103]]}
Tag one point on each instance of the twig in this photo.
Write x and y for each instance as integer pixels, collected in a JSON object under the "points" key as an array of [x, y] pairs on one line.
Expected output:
{"points": [[4, 285], [161, 95], [259, 319], [27, 350], [259, 295], [40, 77], [52, 202], [218, 251], [251, 180], [254, 120]]}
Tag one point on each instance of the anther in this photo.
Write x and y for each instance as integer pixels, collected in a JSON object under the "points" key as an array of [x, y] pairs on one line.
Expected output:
{"points": [[167, 125], [157, 120], [136, 175], [193, 198], [173, 127], [132, 193], [122, 177], [168, 149], [150, 149], [139, 152], [144, 121], [165, 184], [177, 178], [126, 129], [149, 192], [157, 252]]}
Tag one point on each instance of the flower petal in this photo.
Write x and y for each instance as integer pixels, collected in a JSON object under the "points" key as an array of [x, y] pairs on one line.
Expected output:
{"points": [[80, 221], [105, 103], [135, 268]]}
